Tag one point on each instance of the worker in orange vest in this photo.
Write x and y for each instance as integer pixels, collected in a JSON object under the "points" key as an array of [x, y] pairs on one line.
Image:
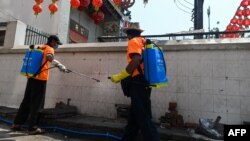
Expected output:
{"points": [[35, 89], [140, 115]]}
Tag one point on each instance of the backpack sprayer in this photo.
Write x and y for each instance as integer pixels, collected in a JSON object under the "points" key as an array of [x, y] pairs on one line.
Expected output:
{"points": [[155, 68], [32, 64]]}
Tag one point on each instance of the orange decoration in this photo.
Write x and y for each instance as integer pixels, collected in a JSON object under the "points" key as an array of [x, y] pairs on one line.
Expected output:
{"points": [[84, 3], [98, 17], [37, 9], [53, 8], [38, 1], [75, 3], [97, 4], [117, 2]]}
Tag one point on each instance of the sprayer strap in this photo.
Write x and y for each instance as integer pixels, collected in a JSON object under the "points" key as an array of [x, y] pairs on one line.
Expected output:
{"points": [[40, 68], [28, 62]]}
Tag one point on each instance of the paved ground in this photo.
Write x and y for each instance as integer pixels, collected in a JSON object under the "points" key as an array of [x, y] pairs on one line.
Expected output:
{"points": [[84, 128], [7, 135]]}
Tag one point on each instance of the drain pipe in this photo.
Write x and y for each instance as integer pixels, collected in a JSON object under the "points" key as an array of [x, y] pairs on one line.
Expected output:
{"points": [[69, 131]]}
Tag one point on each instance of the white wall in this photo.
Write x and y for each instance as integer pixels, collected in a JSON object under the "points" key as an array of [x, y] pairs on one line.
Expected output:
{"points": [[15, 34], [208, 78]]}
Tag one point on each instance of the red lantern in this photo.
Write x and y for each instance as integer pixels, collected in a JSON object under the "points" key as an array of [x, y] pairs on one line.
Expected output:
{"points": [[97, 4], [241, 27], [98, 17], [37, 9], [75, 3], [223, 36], [53, 8], [226, 35], [246, 12], [239, 12], [245, 3], [38, 1], [239, 21], [235, 28], [234, 35], [246, 22], [117, 2], [234, 21], [229, 27], [84, 3]]}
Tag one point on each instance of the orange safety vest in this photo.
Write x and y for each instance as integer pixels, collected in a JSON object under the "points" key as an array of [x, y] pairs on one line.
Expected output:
{"points": [[135, 45], [44, 73]]}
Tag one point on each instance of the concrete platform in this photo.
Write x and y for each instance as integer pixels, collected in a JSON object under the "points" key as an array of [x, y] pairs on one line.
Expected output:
{"points": [[7, 135], [96, 128]]}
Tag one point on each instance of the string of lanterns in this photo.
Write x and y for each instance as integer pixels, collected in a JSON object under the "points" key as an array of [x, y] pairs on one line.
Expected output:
{"points": [[97, 15], [240, 20], [83, 4], [53, 8], [37, 8]]}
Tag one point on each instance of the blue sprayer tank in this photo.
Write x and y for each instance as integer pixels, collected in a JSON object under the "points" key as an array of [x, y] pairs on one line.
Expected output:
{"points": [[155, 69], [32, 62]]}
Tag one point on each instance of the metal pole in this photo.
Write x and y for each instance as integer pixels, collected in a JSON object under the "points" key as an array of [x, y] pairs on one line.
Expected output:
{"points": [[198, 16], [208, 14]]}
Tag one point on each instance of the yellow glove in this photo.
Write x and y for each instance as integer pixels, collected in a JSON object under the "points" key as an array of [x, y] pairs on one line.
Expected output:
{"points": [[116, 78]]}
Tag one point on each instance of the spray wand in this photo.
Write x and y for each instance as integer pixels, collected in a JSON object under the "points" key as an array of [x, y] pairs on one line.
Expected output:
{"points": [[83, 75]]}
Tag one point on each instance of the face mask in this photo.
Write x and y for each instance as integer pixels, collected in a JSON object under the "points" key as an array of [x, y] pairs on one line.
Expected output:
{"points": [[55, 46]]}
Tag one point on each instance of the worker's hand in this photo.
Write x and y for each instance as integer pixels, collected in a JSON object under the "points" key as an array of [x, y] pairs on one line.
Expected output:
{"points": [[62, 68], [116, 78]]}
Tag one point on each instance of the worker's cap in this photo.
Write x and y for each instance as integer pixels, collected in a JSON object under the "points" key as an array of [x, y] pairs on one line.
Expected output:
{"points": [[133, 27], [55, 38]]}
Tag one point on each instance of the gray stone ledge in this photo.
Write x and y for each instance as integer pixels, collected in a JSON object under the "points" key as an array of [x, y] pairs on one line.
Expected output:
{"points": [[173, 45]]}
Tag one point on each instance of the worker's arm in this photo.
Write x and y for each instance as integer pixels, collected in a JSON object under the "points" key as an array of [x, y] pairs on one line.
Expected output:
{"points": [[57, 64], [50, 57], [135, 62]]}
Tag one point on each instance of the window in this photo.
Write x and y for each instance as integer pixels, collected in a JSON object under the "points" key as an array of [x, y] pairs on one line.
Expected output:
{"points": [[2, 35], [78, 33]]}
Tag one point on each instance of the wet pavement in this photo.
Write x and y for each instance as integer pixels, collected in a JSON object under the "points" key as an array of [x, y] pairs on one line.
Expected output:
{"points": [[85, 128], [7, 135]]}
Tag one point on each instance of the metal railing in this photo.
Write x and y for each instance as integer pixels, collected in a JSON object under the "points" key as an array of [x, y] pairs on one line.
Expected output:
{"points": [[179, 36], [35, 36]]}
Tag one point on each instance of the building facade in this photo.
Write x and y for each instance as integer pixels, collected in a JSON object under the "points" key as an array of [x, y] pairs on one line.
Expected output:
{"points": [[71, 25]]}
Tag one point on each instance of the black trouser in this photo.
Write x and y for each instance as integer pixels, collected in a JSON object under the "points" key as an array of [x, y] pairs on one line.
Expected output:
{"points": [[140, 113], [32, 102]]}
